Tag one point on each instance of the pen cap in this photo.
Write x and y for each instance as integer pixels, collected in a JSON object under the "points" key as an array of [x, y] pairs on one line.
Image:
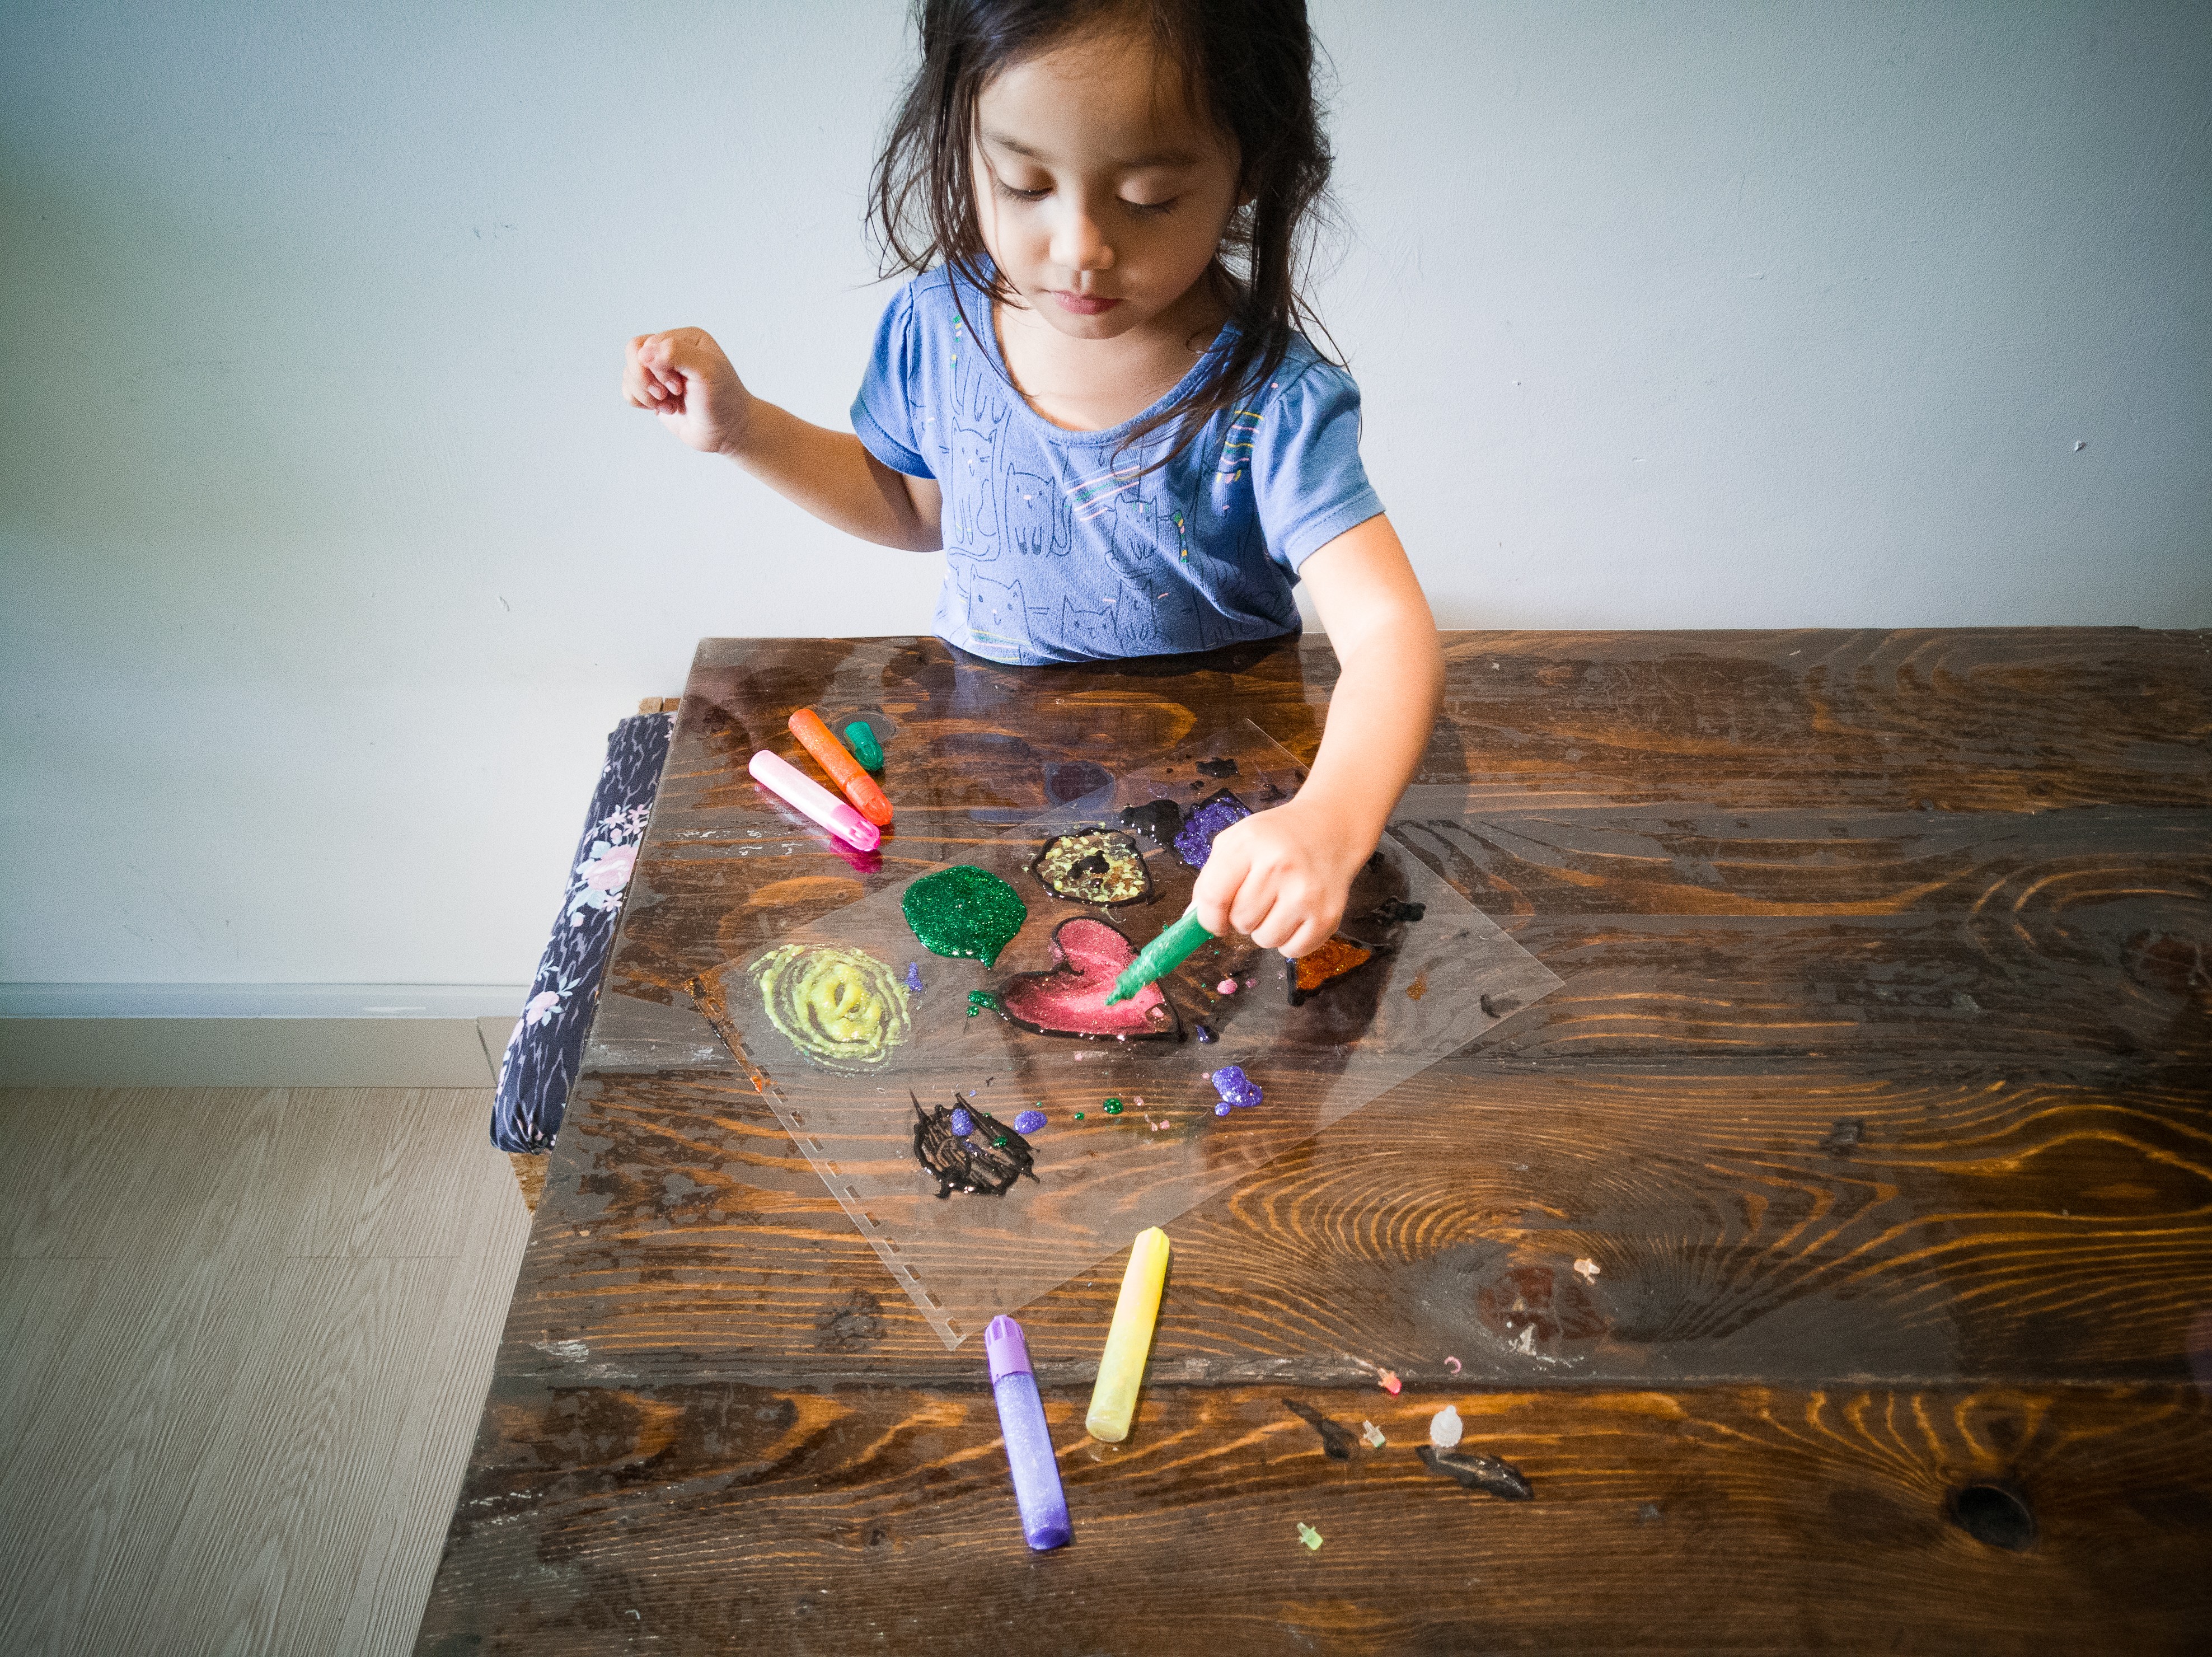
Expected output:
{"points": [[1009, 1354]]}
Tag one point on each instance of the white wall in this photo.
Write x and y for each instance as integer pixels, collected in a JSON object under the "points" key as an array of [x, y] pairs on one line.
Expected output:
{"points": [[329, 554]]}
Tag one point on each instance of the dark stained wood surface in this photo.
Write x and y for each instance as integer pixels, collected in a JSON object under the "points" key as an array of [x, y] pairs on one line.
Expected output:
{"points": [[1877, 1094]]}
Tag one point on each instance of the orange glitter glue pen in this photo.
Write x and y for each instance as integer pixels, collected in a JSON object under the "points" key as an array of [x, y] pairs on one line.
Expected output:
{"points": [[796, 788], [844, 770]]}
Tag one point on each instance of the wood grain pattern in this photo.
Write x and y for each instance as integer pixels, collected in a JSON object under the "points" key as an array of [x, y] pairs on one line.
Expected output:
{"points": [[1873, 1106], [1744, 1519]]}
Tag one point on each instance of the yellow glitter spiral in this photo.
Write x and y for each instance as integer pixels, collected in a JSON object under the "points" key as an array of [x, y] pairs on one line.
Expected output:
{"points": [[842, 1008]]}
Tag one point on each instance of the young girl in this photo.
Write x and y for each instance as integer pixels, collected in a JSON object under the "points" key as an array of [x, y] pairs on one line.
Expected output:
{"points": [[1094, 396]]}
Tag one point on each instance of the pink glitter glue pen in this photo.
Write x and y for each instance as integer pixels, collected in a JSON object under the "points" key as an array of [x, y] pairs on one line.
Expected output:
{"points": [[793, 786], [1029, 1443]]}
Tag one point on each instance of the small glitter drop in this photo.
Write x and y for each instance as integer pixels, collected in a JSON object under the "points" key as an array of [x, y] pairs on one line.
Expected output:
{"points": [[978, 1000], [1112, 1107], [1204, 1034], [914, 977], [963, 910], [1222, 1109], [963, 1122], [1235, 1087], [1079, 1116], [1029, 1122], [1309, 1536], [1226, 987], [1445, 1428], [1373, 1435]]}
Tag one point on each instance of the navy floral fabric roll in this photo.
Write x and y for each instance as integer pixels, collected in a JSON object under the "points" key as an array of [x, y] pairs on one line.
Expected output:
{"points": [[540, 1066]]}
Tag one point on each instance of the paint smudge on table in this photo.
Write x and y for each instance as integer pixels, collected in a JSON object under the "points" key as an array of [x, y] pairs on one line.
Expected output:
{"points": [[1336, 1442], [841, 1008], [963, 910], [1157, 820], [1479, 1472]]}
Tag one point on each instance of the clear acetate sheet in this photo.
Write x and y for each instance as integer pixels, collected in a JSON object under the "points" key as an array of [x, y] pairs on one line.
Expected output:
{"points": [[1090, 1184]]}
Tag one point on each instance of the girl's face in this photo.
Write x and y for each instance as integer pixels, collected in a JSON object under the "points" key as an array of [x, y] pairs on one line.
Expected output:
{"points": [[1101, 195]]}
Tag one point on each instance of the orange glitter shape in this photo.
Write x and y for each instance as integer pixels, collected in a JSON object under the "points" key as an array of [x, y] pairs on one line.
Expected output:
{"points": [[1337, 956]]}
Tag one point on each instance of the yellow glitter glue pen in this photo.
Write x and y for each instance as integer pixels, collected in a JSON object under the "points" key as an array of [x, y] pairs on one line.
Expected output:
{"points": [[1129, 1341]]}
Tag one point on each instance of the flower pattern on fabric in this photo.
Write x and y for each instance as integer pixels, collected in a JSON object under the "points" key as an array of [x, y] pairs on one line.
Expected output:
{"points": [[539, 1066]]}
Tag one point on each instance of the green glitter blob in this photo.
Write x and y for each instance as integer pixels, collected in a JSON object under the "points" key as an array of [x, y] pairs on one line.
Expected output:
{"points": [[1079, 1116], [1113, 1108], [964, 910], [979, 999]]}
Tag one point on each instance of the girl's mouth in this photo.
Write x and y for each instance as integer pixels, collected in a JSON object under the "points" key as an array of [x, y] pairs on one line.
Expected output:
{"points": [[1083, 304]]}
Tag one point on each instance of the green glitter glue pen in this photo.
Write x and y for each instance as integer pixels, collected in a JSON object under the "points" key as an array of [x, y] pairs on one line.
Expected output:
{"points": [[1160, 957]]}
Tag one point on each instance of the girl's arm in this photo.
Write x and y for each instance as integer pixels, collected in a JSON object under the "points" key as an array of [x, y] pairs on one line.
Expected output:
{"points": [[684, 377], [1281, 877]]}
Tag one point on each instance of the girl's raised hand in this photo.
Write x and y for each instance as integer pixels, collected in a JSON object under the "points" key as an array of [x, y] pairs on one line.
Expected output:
{"points": [[683, 376], [1281, 877]]}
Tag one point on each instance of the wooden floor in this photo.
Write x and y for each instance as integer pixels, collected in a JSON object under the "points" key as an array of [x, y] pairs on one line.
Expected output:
{"points": [[245, 1337]]}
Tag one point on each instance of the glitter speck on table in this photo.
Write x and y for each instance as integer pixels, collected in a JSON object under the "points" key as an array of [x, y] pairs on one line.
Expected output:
{"points": [[914, 977], [1112, 1107], [1226, 987], [1029, 1122]]}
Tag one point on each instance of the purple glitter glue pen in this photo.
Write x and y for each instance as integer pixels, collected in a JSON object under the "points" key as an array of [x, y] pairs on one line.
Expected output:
{"points": [[1029, 1445]]}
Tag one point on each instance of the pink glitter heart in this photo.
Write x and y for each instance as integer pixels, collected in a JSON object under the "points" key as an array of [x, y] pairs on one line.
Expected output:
{"points": [[1071, 999]]}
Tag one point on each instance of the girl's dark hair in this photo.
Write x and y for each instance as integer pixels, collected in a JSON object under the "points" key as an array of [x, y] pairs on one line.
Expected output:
{"points": [[1248, 64]]}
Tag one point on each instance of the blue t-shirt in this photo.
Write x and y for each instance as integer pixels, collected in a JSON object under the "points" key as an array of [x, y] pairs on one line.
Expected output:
{"points": [[1057, 549]]}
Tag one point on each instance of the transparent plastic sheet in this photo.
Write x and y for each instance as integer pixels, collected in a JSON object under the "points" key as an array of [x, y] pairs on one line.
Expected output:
{"points": [[1094, 1184]]}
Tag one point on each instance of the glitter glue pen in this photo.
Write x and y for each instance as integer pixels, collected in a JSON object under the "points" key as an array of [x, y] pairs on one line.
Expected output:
{"points": [[1029, 1443], [1160, 957], [1129, 1341], [793, 786], [844, 770]]}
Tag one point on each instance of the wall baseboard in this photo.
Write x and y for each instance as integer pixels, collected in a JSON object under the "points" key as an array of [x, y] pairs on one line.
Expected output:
{"points": [[252, 1052]]}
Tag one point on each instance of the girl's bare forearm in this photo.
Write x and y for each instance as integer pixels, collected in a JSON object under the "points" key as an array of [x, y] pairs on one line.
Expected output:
{"points": [[832, 476], [1389, 687]]}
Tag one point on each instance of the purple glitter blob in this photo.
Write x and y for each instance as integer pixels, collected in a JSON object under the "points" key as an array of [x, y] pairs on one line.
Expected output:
{"points": [[964, 1122], [1235, 1086], [1029, 1122], [1205, 1034], [914, 977], [1222, 1109], [1208, 818]]}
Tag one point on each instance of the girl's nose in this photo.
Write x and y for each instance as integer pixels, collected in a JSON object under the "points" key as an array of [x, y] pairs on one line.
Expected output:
{"points": [[1078, 244]]}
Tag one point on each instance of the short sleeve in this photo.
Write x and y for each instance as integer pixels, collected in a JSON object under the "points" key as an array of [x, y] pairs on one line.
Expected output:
{"points": [[882, 414], [1306, 480]]}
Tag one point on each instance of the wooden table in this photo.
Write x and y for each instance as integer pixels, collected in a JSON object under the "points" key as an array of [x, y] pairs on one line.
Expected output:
{"points": [[1876, 1093]]}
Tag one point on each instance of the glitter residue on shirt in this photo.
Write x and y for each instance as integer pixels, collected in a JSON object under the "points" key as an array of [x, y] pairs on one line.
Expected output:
{"points": [[964, 910], [842, 1008]]}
